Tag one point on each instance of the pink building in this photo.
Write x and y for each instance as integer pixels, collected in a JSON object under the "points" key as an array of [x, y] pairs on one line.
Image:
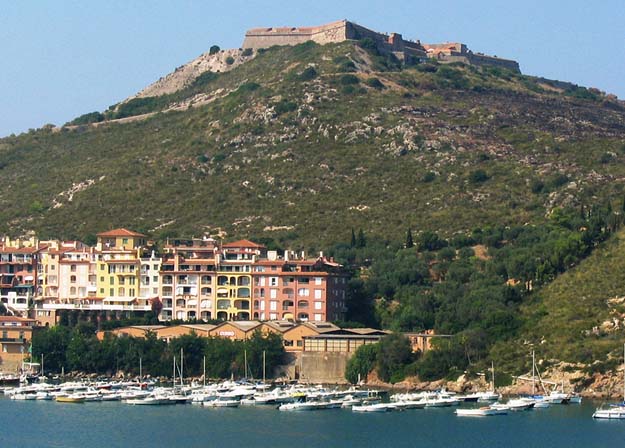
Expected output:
{"points": [[303, 290]]}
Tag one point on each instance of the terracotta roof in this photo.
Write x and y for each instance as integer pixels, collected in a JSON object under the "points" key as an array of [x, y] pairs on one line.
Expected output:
{"points": [[18, 250], [243, 243], [15, 319], [243, 325], [120, 232]]}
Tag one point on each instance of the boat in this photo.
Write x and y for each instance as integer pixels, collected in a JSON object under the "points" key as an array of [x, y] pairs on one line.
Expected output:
{"points": [[70, 399], [481, 412], [379, 407], [222, 403], [150, 401], [518, 404], [614, 411]]}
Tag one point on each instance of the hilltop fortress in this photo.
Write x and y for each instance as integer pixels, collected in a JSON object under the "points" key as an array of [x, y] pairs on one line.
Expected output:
{"points": [[386, 43]]}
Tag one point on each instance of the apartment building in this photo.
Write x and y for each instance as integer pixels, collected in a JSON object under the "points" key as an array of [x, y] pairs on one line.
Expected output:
{"points": [[19, 261], [298, 289]]}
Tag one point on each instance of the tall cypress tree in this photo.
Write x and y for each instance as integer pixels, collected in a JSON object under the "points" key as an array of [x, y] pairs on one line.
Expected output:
{"points": [[353, 242], [362, 242], [409, 241]]}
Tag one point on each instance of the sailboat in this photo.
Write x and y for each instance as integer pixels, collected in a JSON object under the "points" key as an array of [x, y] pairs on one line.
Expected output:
{"points": [[615, 411]]}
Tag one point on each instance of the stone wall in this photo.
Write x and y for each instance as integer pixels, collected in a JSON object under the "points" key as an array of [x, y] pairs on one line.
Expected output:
{"points": [[394, 43]]}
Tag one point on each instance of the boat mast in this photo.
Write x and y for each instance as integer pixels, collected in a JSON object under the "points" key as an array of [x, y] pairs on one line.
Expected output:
{"points": [[245, 362], [204, 370], [42, 374], [492, 379], [140, 372], [264, 367], [181, 364], [533, 372], [173, 376], [623, 373]]}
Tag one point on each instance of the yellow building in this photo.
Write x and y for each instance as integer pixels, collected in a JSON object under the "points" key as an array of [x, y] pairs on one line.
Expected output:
{"points": [[118, 273], [234, 279]]}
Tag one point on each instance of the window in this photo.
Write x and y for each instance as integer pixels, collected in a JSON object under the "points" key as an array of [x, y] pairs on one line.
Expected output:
{"points": [[72, 279], [273, 305], [72, 291], [101, 290], [318, 280], [111, 292], [304, 292], [132, 292], [155, 267], [273, 281], [111, 280], [318, 306], [155, 279], [124, 241], [72, 268], [318, 317], [131, 281], [318, 293], [102, 267], [273, 293]]}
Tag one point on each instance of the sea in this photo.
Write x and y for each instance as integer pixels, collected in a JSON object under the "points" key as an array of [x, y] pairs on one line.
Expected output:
{"points": [[114, 424]]}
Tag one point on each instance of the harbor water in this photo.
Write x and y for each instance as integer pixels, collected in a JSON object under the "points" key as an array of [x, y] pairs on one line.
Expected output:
{"points": [[114, 424]]}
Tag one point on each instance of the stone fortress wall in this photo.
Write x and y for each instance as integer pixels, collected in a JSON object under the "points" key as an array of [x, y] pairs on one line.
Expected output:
{"points": [[343, 30]]}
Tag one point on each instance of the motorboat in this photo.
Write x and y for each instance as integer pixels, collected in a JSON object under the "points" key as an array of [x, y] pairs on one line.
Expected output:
{"points": [[150, 401], [378, 407], [614, 412], [222, 403], [481, 412], [74, 398]]}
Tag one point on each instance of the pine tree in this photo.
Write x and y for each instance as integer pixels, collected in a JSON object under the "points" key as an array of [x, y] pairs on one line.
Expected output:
{"points": [[409, 241], [362, 242], [353, 242]]}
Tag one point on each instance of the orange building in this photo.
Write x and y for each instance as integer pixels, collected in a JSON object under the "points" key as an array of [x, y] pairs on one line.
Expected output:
{"points": [[16, 334], [237, 330]]}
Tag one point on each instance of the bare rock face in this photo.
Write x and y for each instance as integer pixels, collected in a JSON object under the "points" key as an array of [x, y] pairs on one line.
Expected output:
{"points": [[222, 61]]}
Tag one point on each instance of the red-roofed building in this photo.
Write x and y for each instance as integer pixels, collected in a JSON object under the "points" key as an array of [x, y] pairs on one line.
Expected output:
{"points": [[298, 289], [15, 336]]}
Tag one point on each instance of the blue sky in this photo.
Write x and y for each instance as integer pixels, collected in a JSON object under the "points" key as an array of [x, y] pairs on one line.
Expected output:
{"points": [[61, 59]]}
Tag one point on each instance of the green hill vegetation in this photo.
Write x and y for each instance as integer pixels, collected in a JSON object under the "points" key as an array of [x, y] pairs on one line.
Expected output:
{"points": [[511, 185]]}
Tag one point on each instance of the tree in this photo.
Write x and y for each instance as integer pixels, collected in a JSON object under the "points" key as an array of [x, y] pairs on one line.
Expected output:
{"points": [[361, 241], [353, 240], [394, 354], [363, 361], [409, 241], [214, 49]]}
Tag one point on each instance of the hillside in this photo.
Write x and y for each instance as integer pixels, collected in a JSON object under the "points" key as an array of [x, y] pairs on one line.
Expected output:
{"points": [[301, 144]]}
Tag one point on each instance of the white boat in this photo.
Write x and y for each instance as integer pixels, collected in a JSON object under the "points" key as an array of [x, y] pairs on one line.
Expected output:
{"points": [[575, 399], [150, 401], [518, 404], [222, 403], [299, 406], [481, 412], [615, 412], [379, 407], [23, 396]]}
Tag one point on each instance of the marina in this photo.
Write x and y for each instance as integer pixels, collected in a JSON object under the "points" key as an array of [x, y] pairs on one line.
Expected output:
{"points": [[35, 423]]}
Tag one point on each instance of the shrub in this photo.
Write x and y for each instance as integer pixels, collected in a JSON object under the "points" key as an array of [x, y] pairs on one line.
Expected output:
{"points": [[91, 117], [229, 60], [284, 106], [247, 52], [478, 176], [308, 74], [214, 49], [428, 177], [375, 83], [347, 80], [368, 44]]}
